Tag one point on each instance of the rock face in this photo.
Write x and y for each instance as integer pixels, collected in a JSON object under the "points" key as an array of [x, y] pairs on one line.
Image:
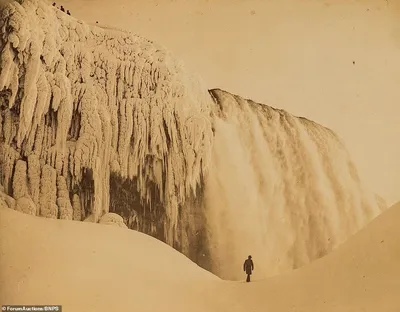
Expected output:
{"points": [[97, 122]]}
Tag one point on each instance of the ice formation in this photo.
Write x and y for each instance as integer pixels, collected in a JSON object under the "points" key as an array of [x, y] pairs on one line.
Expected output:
{"points": [[97, 121], [80, 103], [112, 219]]}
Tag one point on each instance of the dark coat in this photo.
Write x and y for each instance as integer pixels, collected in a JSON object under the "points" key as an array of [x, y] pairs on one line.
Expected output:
{"points": [[248, 266]]}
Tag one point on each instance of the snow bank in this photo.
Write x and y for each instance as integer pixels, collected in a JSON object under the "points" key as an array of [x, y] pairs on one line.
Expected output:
{"points": [[88, 268]]}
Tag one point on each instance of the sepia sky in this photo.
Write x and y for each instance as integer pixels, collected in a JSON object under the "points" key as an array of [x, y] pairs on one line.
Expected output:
{"points": [[292, 54]]}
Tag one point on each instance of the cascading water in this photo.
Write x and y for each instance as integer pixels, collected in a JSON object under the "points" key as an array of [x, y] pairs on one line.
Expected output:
{"points": [[280, 188]]}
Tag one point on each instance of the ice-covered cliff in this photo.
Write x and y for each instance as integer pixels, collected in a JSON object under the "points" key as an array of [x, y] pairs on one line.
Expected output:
{"points": [[98, 120], [82, 106]]}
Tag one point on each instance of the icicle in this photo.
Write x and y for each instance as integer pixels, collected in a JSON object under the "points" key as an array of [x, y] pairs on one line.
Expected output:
{"points": [[20, 181], [7, 200], [26, 205], [28, 103], [6, 65], [48, 193], [34, 177], [78, 212], [63, 202]]}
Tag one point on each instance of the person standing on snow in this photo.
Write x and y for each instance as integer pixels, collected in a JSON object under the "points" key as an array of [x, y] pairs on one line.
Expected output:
{"points": [[248, 267]]}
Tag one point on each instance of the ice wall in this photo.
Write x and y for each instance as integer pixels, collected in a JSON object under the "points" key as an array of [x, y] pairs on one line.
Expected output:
{"points": [[80, 103], [97, 120]]}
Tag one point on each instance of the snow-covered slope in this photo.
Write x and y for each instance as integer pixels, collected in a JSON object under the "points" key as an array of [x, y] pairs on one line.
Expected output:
{"points": [[99, 120], [362, 275], [88, 268]]}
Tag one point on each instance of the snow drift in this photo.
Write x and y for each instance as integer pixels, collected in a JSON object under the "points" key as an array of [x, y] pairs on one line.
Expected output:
{"points": [[86, 268], [101, 275], [98, 120]]}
